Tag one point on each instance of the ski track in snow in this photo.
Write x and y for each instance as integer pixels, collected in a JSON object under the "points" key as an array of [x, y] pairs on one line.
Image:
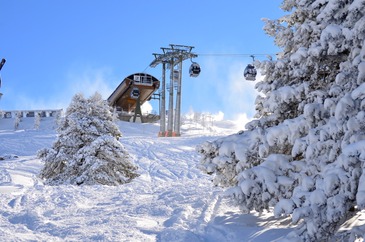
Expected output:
{"points": [[171, 200]]}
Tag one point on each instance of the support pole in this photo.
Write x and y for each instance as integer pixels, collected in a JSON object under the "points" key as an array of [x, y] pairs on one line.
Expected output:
{"points": [[170, 118], [138, 111], [178, 101], [163, 103]]}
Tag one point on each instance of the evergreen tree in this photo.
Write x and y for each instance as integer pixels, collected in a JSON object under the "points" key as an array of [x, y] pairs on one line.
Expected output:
{"points": [[17, 120], [304, 153], [87, 150], [37, 120]]}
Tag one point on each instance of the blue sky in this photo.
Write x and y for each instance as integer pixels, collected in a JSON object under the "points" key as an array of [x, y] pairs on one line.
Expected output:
{"points": [[55, 49]]}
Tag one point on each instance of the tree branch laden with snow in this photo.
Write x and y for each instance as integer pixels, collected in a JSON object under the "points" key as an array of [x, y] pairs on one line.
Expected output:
{"points": [[304, 154]]}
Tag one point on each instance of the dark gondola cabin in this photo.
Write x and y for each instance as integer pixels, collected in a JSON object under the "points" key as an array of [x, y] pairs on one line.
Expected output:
{"points": [[194, 70], [135, 93], [250, 73]]}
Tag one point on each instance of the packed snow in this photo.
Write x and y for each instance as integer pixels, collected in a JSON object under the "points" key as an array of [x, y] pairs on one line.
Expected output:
{"points": [[171, 200]]}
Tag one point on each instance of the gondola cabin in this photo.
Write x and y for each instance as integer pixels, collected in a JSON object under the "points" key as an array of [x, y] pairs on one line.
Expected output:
{"points": [[194, 70], [135, 93], [250, 73]]}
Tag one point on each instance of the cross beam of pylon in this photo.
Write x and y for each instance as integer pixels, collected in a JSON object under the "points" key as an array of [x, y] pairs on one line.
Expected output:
{"points": [[174, 53]]}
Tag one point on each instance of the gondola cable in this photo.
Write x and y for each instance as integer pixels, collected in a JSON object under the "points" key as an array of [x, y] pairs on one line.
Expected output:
{"points": [[249, 72]]}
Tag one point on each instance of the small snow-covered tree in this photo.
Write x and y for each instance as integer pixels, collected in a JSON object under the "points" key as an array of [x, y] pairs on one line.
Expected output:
{"points": [[304, 154], [87, 150], [17, 120], [115, 114], [37, 120]]}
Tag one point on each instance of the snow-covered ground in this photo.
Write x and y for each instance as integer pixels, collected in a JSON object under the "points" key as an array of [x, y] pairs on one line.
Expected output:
{"points": [[171, 200]]}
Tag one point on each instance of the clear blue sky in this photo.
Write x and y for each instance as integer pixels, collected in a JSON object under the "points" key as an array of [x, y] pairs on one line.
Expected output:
{"points": [[55, 49]]}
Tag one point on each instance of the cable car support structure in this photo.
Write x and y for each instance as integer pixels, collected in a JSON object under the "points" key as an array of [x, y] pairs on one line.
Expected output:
{"points": [[132, 92], [172, 56]]}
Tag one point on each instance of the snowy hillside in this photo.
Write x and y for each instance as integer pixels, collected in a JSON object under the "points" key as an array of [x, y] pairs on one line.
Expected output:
{"points": [[172, 200]]}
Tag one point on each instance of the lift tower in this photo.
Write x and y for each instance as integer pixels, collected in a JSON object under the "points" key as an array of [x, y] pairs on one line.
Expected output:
{"points": [[172, 56]]}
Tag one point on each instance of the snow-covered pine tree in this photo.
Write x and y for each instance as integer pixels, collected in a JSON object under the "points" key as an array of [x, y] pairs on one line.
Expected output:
{"points": [[87, 150], [17, 120], [37, 120], [304, 154]]}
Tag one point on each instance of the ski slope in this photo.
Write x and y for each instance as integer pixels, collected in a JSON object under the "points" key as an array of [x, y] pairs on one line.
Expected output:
{"points": [[171, 200]]}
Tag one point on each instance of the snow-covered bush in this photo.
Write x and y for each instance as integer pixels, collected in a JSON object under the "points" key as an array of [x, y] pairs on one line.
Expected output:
{"points": [[37, 120], [87, 150], [17, 120], [304, 154]]}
